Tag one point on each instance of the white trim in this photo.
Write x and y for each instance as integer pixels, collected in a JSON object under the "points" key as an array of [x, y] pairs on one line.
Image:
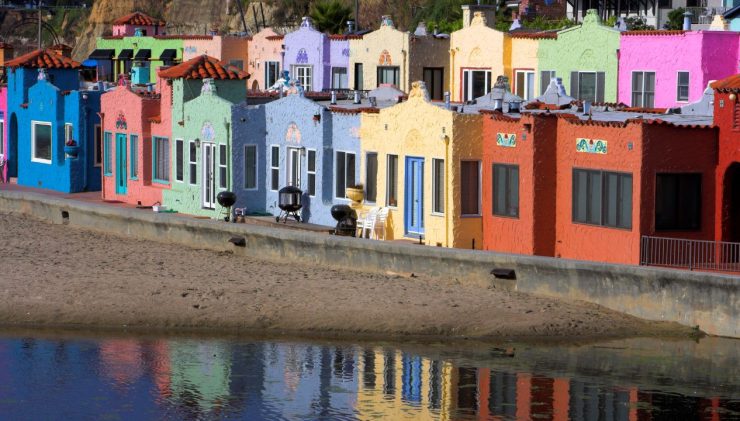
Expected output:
{"points": [[308, 87], [34, 123], [642, 91], [309, 172], [2, 138], [182, 164], [289, 175], [71, 132], [688, 86], [486, 85], [272, 168], [192, 163], [334, 181], [256, 167], [526, 72], [223, 182]]}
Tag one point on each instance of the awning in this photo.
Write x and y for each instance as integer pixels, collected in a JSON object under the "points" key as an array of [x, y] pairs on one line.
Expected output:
{"points": [[126, 54], [102, 54], [168, 55], [143, 54]]}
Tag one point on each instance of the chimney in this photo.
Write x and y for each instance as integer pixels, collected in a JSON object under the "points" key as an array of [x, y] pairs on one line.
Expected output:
{"points": [[306, 22], [333, 97], [687, 21], [386, 20], [357, 97], [447, 100], [350, 27]]}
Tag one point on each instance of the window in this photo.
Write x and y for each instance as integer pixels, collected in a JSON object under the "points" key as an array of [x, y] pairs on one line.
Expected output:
{"points": [[222, 162], [682, 89], [678, 202], [339, 78], [179, 160], [391, 190], [470, 187], [525, 84], [97, 145], [476, 83], [250, 167], [345, 173], [68, 133], [359, 82], [134, 156], [41, 135], [587, 86], [193, 164], [371, 177], [272, 73], [602, 198], [275, 168], [434, 79], [643, 89], [438, 186], [545, 77], [303, 76], [506, 190], [311, 172], [2, 138], [388, 75], [161, 159], [107, 150]]}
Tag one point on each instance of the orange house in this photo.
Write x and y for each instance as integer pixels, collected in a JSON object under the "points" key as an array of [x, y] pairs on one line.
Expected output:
{"points": [[727, 118]]}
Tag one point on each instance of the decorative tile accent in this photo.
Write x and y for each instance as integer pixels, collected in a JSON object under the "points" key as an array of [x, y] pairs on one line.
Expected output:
{"points": [[591, 146], [507, 140], [385, 59], [207, 132], [121, 121], [302, 57], [293, 134]]}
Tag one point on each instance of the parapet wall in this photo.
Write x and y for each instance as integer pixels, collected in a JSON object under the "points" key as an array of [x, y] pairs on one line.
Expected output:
{"points": [[707, 300]]}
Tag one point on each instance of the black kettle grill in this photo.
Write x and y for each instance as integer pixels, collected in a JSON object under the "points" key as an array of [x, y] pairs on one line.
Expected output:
{"points": [[226, 199], [346, 218], [289, 202]]}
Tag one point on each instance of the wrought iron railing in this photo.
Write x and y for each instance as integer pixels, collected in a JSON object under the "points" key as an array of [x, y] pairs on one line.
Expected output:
{"points": [[690, 254]]}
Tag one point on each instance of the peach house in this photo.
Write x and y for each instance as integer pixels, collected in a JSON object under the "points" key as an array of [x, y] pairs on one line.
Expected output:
{"points": [[230, 49], [265, 54], [527, 80], [662, 69]]}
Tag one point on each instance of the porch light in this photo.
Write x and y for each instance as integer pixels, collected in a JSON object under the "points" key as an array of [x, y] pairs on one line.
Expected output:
{"points": [[733, 97], [197, 142], [303, 150]]}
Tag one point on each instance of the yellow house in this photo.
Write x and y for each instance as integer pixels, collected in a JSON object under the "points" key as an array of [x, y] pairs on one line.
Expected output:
{"points": [[390, 56], [478, 54], [527, 81], [424, 162]]}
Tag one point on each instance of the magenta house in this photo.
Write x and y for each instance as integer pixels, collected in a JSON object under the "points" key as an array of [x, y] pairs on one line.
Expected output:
{"points": [[307, 57], [665, 69]]}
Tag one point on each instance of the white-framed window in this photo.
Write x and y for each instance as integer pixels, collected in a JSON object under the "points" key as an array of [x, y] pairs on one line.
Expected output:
{"points": [[525, 84], [250, 167], [682, 86], [179, 160], [160, 159], [303, 74], [545, 77], [41, 142], [643, 89], [438, 186], [391, 181], [344, 173], [275, 168], [98, 146], [2, 138], [371, 177], [193, 164], [588, 85], [476, 83], [68, 132], [272, 73], [223, 160], [134, 156], [470, 188], [311, 171], [339, 79], [389, 75]]}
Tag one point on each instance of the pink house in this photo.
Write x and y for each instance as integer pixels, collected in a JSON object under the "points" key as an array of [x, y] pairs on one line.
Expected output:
{"points": [[3, 133], [145, 25], [131, 118], [665, 69], [265, 59]]}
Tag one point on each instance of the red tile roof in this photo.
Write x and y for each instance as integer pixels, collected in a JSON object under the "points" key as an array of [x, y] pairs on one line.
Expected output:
{"points": [[359, 110], [654, 32], [203, 67], [275, 37], [45, 59], [138, 18], [731, 83], [184, 36], [534, 35]]}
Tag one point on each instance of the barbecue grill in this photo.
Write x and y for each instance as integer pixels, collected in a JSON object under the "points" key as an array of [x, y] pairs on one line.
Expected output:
{"points": [[346, 218], [289, 202], [226, 199]]}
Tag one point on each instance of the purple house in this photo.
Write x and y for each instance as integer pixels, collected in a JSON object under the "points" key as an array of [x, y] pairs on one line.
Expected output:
{"points": [[339, 61], [307, 57]]}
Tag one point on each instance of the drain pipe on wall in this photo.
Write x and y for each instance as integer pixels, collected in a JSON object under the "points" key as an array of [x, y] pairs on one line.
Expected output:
{"points": [[446, 140]]}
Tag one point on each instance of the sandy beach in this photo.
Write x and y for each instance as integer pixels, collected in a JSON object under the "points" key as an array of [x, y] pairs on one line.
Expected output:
{"points": [[55, 275]]}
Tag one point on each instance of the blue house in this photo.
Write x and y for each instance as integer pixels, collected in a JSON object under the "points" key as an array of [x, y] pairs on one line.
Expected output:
{"points": [[295, 141], [54, 126]]}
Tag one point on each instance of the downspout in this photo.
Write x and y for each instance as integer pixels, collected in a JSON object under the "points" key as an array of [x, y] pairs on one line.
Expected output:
{"points": [[447, 184], [102, 154], [452, 71], [405, 72]]}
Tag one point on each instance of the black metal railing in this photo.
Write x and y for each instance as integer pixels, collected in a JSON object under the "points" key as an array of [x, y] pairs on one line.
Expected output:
{"points": [[690, 254]]}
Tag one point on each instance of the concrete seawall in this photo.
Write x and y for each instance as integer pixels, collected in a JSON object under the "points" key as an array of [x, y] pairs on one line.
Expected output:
{"points": [[707, 300]]}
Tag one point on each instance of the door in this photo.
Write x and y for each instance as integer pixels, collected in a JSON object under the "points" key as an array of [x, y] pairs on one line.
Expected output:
{"points": [[294, 167], [414, 207], [121, 161], [209, 179]]}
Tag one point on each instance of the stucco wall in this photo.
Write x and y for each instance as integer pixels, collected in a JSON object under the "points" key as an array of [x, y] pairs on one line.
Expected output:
{"points": [[477, 46], [368, 49], [309, 47], [156, 45], [262, 50], [726, 112], [339, 55], [6, 120], [524, 57]]}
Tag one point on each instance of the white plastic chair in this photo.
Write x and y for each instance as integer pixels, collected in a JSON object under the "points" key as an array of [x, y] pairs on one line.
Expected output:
{"points": [[366, 222], [380, 223]]}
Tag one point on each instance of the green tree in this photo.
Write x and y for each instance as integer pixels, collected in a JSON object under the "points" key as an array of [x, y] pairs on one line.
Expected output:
{"points": [[675, 19], [330, 16], [637, 23]]}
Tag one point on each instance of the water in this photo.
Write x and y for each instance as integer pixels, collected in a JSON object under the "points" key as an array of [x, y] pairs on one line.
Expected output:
{"points": [[127, 377]]}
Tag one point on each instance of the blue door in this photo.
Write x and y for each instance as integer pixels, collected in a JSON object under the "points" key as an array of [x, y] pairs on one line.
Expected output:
{"points": [[121, 163], [414, 197]]}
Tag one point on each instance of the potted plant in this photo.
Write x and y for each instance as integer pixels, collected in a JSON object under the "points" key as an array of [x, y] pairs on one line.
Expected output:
{"points": [[356, 193], [71, 149]]}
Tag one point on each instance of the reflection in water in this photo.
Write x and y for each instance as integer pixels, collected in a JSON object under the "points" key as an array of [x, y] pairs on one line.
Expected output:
{"points": [[205, 379]]}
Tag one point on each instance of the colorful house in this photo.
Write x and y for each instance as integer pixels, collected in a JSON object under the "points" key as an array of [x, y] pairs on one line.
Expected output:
{"points": [[229, 49], [265, 59], [585, 56], [4, 172], [390, 56], [339, 62], [53, 119], [727, 118], [732, 18], [307, 56], [138, 23], [678, 68], [196, 160], [428, 170], [528, 80]]}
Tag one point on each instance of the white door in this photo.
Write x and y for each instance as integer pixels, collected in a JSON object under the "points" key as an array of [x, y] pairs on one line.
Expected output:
{"points": [[294, 167], [209, 178]]}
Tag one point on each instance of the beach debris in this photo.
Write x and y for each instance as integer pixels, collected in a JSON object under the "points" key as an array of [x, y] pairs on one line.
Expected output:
{"points": [[238, 241]]}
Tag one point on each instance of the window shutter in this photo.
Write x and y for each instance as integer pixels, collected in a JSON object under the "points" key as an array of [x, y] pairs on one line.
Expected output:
{"points": [[574, 84], [600, 80]]}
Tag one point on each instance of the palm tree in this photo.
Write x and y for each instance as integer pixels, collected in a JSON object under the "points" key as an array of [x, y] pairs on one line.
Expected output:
{"points": [[330, 15]]}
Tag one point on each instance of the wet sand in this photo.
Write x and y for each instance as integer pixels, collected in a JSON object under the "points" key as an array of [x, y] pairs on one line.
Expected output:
{"points": [[55, 275]]}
